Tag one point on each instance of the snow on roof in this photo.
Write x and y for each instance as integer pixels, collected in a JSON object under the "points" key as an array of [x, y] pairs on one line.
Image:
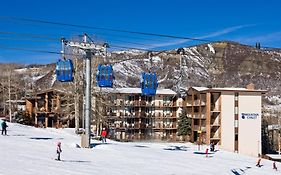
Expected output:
{"points": [[226, 89], [200, 88], [15, 101], [136, 91], [274, 156]]}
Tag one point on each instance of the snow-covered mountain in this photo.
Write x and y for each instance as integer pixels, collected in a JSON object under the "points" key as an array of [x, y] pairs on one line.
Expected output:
{"points": [[219, 64], [32, 151]]}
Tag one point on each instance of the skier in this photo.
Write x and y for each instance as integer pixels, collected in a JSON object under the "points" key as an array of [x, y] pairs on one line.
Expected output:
{"points": [[212, 146], [274, 166], [103, 135], [207, 150], [59, 150], [259, 162], [4, 127]]}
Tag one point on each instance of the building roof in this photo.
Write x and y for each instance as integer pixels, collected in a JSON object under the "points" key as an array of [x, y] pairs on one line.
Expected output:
{"points": [[52, 90], [204, 89], [137, 91], [15, 101]]}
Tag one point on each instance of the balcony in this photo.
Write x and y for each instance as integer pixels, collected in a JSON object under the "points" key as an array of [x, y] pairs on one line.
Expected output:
{"points": [[169, 126], [189, 103], [158, 126], [215, 108], [198, 116], [111, 114], [136, 103]]}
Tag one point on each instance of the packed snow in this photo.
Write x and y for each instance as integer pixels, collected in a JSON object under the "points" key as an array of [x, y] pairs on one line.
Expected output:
{"points": [[211, 48], [28, 150]]}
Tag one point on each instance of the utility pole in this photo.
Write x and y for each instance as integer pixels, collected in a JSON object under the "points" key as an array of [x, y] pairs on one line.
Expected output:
{"points": [[88, 106], [10, 103], [89, 49], [76, 97], [4, 101], [181, 52], [279, 144]]}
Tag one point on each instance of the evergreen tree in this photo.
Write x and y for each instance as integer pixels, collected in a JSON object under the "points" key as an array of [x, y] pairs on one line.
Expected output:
{"points": [[184, 124]]}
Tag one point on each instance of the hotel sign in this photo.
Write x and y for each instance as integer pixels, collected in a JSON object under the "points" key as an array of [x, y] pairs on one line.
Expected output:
{"points": [[245, 115]]}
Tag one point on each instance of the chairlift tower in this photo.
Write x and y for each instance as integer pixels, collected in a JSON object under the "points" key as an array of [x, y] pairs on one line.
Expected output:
{"points": [[89, 49]]}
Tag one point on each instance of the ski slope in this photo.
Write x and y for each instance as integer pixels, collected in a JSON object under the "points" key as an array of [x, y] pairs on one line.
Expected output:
{"points": [[28, 150]]}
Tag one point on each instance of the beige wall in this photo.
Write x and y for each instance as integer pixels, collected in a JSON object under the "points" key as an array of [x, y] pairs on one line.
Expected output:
{"points": [[249, 129], [227, 121]]}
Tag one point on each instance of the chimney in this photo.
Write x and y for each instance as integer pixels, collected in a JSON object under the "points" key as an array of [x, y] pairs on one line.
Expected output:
{"points": [[250, 86]]}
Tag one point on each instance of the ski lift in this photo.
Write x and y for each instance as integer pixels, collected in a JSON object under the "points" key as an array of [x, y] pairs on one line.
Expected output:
{"points": [[64, 67], [105, 76], [149, 84], [64, 70]]}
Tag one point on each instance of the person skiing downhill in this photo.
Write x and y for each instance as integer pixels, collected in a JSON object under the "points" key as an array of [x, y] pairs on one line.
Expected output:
{"points": [[4, 127], [274, 166], [59, 150], [207, 151], [259, 161]]}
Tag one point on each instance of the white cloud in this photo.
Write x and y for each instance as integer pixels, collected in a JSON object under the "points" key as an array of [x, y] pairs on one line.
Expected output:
{"points": [[225, 31], [210, 35], [271, 37]]}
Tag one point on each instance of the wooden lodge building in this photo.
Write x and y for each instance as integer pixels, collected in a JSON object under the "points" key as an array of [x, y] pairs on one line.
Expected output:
{"points": [[47, 107]]}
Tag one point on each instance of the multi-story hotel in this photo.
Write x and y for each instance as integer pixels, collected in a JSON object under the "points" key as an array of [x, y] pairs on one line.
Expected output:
{"points": [[131, 116], [229, 117]]}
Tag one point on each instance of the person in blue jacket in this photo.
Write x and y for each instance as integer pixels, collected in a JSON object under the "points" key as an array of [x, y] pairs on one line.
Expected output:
{"points": [[4, 127]]}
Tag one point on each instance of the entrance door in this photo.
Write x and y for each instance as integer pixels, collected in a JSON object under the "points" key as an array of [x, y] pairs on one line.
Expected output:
{"points": [[195, 136]]}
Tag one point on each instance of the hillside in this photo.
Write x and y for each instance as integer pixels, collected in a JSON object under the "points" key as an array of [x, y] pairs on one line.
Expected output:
{"points": [[19, 157], [219, 64]]}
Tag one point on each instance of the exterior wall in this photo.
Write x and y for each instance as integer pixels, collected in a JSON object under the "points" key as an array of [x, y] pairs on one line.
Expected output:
{"points": [[208, 118], [224, 123], [29, 107], [227, 121], [155, 119], [249, 128]]}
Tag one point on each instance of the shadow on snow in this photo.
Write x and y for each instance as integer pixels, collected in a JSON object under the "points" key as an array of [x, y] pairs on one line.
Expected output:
{"points": [[176, 148], [239, 171], [141, 146]]}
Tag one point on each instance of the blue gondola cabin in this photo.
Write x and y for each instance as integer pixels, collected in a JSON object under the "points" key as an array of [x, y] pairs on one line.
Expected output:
{"points": [[105, 76], [64, 70], [149, 84]]}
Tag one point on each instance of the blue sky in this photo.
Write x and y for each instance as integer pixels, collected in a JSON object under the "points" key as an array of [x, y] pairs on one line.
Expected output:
{"points": [[243, 21]]}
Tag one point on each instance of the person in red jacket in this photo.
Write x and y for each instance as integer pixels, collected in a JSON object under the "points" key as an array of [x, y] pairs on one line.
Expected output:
{"points": [[103, 135], [207, 151]]}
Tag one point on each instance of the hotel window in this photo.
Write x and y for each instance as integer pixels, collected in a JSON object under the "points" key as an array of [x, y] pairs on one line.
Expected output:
{"points": [[196, 109], [236, 96], [167, 110], [236, 110], [236, 137], [127, 110], [113, 98], [148, 98], [236, 123], [167, 98]]}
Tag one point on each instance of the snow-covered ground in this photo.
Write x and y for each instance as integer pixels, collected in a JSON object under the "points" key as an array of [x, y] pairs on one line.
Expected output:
{"points": [[29, 150]]}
